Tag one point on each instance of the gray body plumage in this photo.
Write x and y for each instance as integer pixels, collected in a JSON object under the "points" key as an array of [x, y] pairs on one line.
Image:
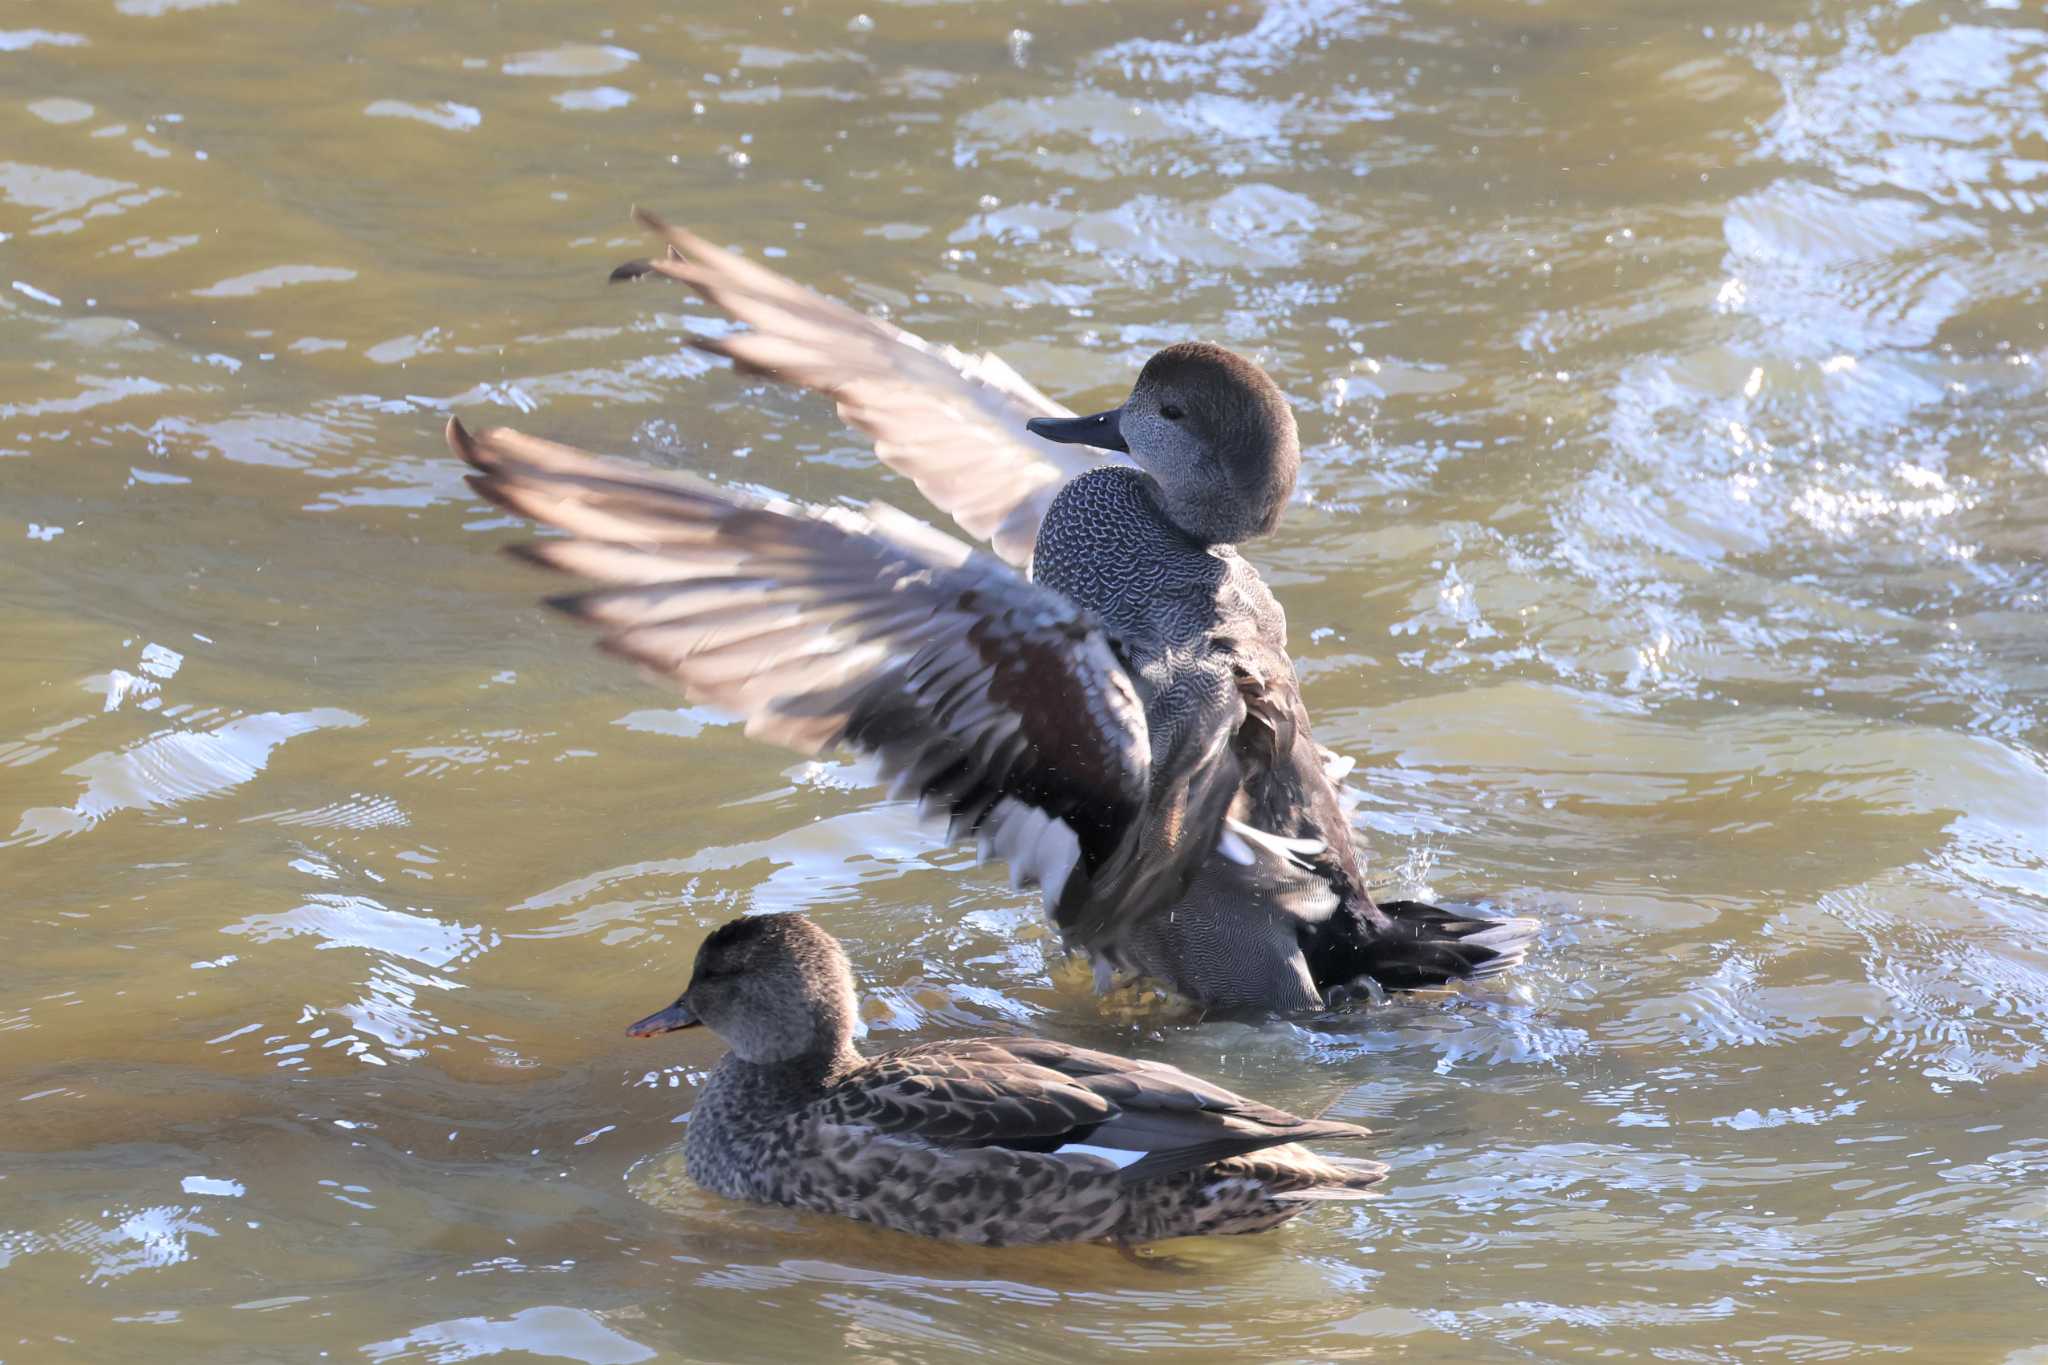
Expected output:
{"points": [[1189, 620], [1180, 612]]}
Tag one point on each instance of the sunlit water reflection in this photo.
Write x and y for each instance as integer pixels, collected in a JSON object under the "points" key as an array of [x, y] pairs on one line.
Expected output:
{"points": [[1671, 557]]}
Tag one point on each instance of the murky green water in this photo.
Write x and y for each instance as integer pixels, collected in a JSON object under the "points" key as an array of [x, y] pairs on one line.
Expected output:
{"points": [[1672, 558]]}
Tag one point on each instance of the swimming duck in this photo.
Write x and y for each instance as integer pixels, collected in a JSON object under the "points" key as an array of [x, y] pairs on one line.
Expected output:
{"points": [[988, 1140], [1107, 703]]}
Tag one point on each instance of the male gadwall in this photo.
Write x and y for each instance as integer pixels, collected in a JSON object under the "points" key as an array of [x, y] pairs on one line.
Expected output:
{"points": [[1124, 726], [989, 1140]]}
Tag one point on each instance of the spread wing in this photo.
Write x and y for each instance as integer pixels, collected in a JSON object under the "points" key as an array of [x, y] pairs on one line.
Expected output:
{"points": [[990, 699], [953, 423], [1033, 1095]]}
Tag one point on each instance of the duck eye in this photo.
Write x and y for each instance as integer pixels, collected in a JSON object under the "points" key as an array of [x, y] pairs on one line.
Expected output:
{"points": [[1170, 412]]}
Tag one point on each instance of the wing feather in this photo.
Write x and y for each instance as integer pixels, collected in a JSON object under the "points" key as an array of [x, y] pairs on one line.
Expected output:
{"points": [[1038, 1095], [991, 700], [951, 422]]}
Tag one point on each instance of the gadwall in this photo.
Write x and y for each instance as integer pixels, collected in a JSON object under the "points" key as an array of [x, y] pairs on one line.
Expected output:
{"points": [[1112, 709], [987, 1140]]}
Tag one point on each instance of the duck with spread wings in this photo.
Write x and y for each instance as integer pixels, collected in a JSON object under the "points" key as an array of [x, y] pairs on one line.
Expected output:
{"points": [[1106, 702]]}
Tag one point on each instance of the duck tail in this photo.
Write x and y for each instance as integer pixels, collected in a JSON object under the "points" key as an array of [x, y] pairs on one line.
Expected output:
{"points": [[1428, 945], [1338, 1178]]}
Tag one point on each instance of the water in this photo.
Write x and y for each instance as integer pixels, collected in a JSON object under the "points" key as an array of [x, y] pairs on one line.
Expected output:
{"points": [[1671, 557]]}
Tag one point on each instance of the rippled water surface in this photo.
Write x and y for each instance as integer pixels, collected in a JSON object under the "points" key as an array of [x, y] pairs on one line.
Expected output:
{"points": [[1671, 555]]}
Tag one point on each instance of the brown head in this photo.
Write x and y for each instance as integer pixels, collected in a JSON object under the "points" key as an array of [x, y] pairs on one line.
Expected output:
{"points": [[775, 987]]}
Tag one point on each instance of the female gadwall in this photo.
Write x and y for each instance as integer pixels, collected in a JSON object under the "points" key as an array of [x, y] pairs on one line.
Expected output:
{"points": [[1124, 726], [990, 1140]]}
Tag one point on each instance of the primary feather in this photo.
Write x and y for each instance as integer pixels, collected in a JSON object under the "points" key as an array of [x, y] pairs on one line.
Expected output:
{"points": [[923, 404]]}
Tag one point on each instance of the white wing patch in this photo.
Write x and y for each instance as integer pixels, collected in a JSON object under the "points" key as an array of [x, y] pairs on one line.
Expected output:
{"points": [[1038, 847], [1115, 1156], [1238, 837]]}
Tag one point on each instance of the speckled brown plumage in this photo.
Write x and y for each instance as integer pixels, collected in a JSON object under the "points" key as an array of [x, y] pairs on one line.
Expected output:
{"points": [[987, 1140]]}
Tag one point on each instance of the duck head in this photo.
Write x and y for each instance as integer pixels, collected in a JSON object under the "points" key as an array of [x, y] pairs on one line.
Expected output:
{"points": [[1214, 432], [775, 987]]}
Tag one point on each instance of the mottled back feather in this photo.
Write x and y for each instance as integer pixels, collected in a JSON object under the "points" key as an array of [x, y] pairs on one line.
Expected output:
{"points": [[1027, 1092]]}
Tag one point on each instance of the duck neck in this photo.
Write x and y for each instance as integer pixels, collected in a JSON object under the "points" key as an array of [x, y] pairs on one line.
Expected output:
{"points": [[1193, 518], [1213, 512], [767, 1089], [822, 1065]]}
